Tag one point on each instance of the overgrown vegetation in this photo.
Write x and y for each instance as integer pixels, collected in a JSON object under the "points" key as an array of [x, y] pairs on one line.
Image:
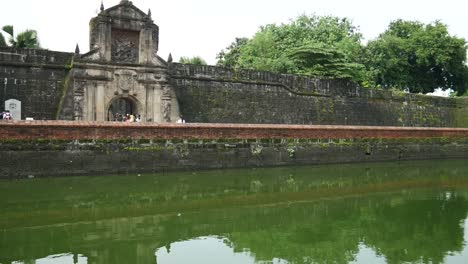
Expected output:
{"points": [[25, 39], [194, 60], [408, 56]]}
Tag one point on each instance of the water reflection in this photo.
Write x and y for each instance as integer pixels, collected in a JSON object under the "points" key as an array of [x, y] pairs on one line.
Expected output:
{"points": [[207, 250], [370, 213], [58, 259]]}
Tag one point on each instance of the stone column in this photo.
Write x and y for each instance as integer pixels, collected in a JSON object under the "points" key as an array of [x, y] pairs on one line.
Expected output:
{"points": [[157, 104], [149, 111], [89, 111], [104, 39], [166, 103], [100, 104], [145, 46], [78, 96]]}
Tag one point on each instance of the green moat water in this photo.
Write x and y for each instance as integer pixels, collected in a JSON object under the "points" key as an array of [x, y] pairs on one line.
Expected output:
{"points": [[410, 212]]}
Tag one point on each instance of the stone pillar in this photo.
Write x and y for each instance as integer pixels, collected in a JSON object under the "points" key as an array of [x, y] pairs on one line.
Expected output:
{"points": [[166, 103], [78, 95], [157, 104], [149, 111], [89, 111], [145, 46], [104, 40], [100, 104]]}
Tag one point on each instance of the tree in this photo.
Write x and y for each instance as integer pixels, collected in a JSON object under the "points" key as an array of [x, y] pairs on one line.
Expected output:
{"points": [[25, 39], [229, 58], [320, 60], [2, 41], [317, 46], [194, 60], [419, 58]]}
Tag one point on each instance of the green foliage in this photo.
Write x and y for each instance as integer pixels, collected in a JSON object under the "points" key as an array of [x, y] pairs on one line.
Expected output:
{"points": [[417, 57], [2, 41], [194, 60], [409, 56], [25, 39], [293, 48], [323, 61], [8, 29], [229, 58]]}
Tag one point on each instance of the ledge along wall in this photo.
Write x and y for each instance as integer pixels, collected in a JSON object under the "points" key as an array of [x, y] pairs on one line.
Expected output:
{"points": [[62, 148], [210, 94], [35, 77]]}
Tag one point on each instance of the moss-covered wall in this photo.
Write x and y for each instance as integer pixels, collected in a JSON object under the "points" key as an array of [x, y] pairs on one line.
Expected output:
{"points": [[34, 77], [44, 157], [218, 95], [460, 113], [209, 94]]}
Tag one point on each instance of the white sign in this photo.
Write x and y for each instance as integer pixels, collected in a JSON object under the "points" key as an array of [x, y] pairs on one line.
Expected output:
{"points": [[15, 108]]}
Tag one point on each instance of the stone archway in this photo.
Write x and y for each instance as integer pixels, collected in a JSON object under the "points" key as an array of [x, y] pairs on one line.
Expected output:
{"points": [[122, 106]]}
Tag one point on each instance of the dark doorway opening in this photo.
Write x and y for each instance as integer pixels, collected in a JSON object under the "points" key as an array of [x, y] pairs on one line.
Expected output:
{"points": [[119, 108]]}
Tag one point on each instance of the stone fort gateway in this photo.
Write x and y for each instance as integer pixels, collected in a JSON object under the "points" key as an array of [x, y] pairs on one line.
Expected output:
{"points": [[123, 73]]}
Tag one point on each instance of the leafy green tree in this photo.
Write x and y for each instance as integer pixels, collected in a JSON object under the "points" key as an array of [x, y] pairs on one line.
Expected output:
{"points": [[2, 41], [25, 39], [229, 57], [419, 58], [194, 60], [319, 46], [320, 60]]}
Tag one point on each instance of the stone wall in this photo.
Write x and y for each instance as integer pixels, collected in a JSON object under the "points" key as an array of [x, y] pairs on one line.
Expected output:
{"points": [[60, 148], [209, 94], [218, 95], [34, 77]]}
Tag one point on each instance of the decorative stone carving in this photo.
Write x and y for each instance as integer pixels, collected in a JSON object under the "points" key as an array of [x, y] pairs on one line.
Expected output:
{"points": [[125, 80], [78, 98], [78, 111], [125, 46], [123, 35], [166, 103]]}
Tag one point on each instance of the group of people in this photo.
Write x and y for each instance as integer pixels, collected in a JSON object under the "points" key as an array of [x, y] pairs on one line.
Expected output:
{"points": [[137, 118], [181, 120], [127, 118], [5, 115]]}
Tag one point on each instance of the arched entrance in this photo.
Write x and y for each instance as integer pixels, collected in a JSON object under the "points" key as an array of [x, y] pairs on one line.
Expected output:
{"points": [[119, 107]]}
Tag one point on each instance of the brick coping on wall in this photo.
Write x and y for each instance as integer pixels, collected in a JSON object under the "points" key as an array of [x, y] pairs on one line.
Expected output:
{"points": [[69, 130]]}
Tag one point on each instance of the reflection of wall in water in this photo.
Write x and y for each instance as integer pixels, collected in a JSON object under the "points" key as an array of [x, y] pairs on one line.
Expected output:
{"points": [[294, 231]]}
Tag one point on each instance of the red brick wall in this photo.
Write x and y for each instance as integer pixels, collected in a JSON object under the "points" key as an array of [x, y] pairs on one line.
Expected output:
{"points": [[110, 130]]}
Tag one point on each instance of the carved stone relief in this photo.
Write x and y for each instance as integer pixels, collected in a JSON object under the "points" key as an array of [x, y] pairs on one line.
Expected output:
{"points": [[125, 46], [125, 80], [166, 103], [79, 98]]}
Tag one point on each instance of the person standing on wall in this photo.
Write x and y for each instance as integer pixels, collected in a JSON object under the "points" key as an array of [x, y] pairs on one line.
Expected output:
{"points": [[181, 120], [7, 115]]}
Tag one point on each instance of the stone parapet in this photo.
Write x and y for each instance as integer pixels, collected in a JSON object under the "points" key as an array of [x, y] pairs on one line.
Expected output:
{"points": [[34, 57], [70, 130], [48, 148]]}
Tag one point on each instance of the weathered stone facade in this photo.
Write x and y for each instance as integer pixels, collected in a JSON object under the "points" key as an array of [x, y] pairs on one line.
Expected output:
{"points": [[210, 94], [37, 78], [122, 66], [83, 147]]}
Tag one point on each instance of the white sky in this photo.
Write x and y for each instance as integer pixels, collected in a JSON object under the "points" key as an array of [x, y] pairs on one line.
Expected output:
{"points": [[204, 27]]}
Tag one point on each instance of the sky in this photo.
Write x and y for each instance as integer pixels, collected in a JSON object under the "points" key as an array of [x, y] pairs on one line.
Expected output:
{"points": [[205, 27]]}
